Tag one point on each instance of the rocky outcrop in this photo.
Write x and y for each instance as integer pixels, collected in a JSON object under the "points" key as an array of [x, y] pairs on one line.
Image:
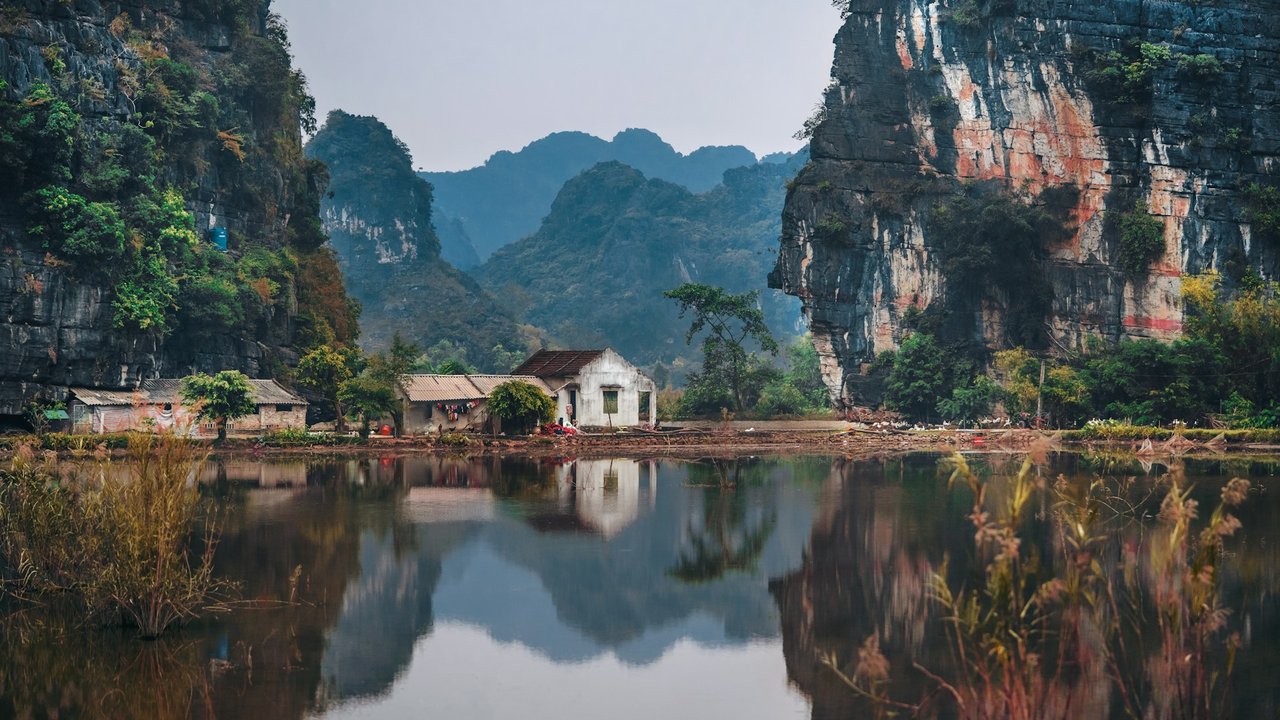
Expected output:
{"points": [[57, 325], [378, 215], [1165, 102]]}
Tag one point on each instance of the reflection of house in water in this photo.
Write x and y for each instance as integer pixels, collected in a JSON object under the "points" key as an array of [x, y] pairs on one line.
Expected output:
{"points": [[255, 474], [604, 495]]}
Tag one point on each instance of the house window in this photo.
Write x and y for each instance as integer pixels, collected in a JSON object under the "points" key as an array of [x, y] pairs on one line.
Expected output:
{"points": [[430, 407], [610, 402], [168, 407], [284, 408]]}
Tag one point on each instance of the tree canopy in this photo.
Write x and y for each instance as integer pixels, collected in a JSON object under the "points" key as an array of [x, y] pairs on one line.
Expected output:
{"points": [[521, 404], [222, 397]]}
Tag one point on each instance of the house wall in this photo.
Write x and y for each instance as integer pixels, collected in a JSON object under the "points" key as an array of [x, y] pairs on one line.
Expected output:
{"points": [[610, 369], [123, 418], [416, 421]]}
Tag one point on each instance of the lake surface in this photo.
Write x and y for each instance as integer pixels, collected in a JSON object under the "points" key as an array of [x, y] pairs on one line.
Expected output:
{"points": [[431, 587]]}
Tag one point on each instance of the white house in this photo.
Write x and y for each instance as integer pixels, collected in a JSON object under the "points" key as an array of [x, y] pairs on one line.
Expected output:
{"points": [[594, 388], [449, 403]]}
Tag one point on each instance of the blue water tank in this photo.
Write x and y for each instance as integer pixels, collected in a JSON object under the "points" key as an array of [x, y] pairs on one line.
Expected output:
{"points": [[218, 236]]}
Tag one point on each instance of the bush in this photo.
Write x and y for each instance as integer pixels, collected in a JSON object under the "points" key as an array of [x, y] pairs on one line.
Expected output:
{"points": [[90, 234], [1262, 209], [1201, 67], [1141, 240], [115, 540], [521, 404]]}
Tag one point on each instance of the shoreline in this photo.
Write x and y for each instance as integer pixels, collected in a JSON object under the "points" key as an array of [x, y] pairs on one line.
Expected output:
{"points": [[697, 443]]}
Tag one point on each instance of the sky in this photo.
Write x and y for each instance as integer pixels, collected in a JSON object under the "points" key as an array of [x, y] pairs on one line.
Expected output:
{"points": [[458, 80]]}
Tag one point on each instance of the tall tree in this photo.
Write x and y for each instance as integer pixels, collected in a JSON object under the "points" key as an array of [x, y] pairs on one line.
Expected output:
{"points": [[731, 321], [386, 369], [324, 370], [221, 398]]}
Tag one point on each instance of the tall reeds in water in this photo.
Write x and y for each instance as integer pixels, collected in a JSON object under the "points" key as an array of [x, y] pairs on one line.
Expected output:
{"points": [[1111, 617], [113, 539]]}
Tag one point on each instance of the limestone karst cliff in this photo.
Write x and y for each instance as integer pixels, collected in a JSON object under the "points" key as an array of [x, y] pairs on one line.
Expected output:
{"points": [[128, 131], [379, 217], [1110, 148]]}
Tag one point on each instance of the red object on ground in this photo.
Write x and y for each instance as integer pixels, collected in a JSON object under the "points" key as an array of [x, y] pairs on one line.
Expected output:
{"points": [[557, 429], [385, 431], [977, 440]]}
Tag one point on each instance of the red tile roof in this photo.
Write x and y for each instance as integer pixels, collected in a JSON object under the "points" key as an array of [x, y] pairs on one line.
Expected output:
{"points": [[557, 363]]}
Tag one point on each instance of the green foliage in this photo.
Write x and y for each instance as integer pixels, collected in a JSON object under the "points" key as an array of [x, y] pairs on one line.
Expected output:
{"points": [[994, 245], [368, 396], [918, 380], [731, 321], [969, 403], [324, 370], [221, 397], [1262, 209], [1126, 77], [85, 232], [1141, 240], [104, 193], [1201, 67], [521, 405]]}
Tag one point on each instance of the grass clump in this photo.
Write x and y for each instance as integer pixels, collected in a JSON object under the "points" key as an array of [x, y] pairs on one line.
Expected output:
{"points": [[122, 542], [1102, 614]]}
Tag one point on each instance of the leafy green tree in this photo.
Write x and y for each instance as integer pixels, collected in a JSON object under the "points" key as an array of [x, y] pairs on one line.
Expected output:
{"points": [[222, 397], [388, 367], [324, 370], [969, 403], [917, 381], [521, 404], [731, 321], [368, 396]]}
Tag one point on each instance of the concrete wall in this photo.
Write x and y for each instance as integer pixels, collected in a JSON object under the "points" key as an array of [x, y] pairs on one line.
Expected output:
{"points": [[123, 418], [607, 372]]}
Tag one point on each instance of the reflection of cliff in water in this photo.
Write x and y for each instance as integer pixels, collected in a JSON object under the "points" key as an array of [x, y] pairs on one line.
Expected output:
{"points": [[886, 528]]}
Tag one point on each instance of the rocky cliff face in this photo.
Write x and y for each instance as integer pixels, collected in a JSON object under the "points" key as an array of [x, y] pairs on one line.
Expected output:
{"points": [[378, 215], [1159, 111], [196, 99]]}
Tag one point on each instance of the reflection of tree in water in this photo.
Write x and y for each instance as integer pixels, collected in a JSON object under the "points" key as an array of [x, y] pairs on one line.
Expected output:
{"points": [[729, 538], [49, 668]]}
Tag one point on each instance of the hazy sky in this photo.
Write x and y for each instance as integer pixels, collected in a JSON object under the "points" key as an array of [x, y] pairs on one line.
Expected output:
{"points": [[460, 79]]}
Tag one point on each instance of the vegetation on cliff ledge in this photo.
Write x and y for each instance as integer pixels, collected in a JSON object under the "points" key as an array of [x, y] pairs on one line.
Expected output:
{"points": [[109, 197]]}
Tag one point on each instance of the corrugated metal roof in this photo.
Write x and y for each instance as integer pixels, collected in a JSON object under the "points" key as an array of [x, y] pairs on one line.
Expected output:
{"points": [[486, 383], [439, 388], [557, 363], [169, 390], [445, 388]]}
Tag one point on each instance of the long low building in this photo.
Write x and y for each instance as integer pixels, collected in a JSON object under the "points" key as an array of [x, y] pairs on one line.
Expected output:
{"points": [[157, 405], [449, 403]]}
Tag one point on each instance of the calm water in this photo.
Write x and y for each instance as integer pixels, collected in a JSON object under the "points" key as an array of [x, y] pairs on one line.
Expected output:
{"points": [[601, 588]]}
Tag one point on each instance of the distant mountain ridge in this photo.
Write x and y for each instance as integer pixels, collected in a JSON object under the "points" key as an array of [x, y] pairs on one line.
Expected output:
{"points": [[506, 198], [615, 240]]}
